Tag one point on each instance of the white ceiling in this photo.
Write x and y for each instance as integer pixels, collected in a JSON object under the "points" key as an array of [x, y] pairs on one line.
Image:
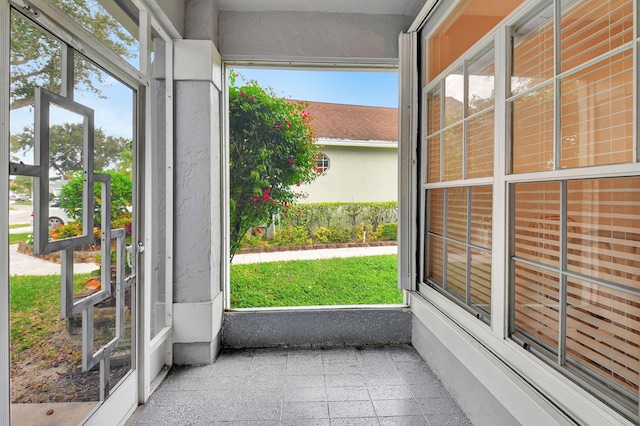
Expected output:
{"points": [[374, 7]]}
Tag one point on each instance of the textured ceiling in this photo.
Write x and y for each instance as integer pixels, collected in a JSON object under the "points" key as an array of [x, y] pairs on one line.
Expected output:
{"points": [[374, 7]]}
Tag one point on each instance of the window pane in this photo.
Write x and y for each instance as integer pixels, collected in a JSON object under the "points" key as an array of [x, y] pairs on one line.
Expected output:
{"points": [[597, 114], [594, 27], [436, 211], [466, 24], [480, 145], [454, 94], [537, 298], [604, 239], [480, 270], [603, 332], [116, 27], [533, 131], [433, 165], [457, 214], [434, 100], [481, 72], [35, 62], [436, 256], [533, 52], [537, 220], [481, 211], [453, 153], [457, 270]]}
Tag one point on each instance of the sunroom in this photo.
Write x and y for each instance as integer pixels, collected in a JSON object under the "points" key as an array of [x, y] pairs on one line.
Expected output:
{"points": [[519, 187]]}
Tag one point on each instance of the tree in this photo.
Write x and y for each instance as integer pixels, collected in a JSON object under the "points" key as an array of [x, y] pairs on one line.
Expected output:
{"points": [[36, 57], [272, 152], [66, 148], [121, 195]]}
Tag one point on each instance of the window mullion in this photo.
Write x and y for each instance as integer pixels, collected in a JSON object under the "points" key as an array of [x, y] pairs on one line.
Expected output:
{"points": [[468, 248], [562, 300]]}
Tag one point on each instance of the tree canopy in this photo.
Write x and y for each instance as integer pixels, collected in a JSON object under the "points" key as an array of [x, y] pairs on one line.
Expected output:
{"points": [[36, 56], [272, 152], [66, 148]]}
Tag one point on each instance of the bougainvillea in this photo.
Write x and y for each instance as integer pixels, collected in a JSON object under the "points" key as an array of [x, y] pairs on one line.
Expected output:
{"points": [[271, 152]]}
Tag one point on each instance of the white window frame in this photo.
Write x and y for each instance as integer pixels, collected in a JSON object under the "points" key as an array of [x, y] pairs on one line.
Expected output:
{"points": [[537, 374]]}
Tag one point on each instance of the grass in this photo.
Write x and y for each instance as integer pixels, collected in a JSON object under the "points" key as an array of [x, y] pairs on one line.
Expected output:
{"points": [[23, 203], [18, 238], [340, 281], [35, 308]]}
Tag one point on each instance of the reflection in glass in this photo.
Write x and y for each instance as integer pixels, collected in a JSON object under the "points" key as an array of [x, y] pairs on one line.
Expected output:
{"points": [[453, 156], [454, 95], [433, 164], [597, 114], [533, 52], [117, 27], [457, 214], [532, 128], [537, 222], [481, 81], [480, 131]]}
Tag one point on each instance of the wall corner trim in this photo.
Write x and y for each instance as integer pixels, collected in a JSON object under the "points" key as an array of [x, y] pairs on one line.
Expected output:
{"points": [[197, 60], [197, 322]]}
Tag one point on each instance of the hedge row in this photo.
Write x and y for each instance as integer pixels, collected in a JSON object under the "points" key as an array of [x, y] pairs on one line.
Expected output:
{"points": [[322, 223]]}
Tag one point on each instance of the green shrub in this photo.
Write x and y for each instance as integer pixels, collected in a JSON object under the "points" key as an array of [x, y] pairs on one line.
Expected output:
{"points": [[291, 236], [333, 234], [252, 239], [389, 231]]}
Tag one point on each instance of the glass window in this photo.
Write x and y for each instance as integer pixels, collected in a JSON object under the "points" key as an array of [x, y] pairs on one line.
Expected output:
{"points": [[588, 291], [322, 164]]}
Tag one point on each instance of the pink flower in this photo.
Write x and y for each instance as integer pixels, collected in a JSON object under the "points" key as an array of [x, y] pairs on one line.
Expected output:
{"points": [[252, 98], [266, 197], [290, 159], [288, 123], [277, 126], [287, 206], [243, 94], [267, 191], [298, 184], [256, 198]]}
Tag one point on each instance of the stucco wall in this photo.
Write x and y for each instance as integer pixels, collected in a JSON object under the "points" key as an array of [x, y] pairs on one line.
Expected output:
{"points": [[356, 174], [308, 36]]}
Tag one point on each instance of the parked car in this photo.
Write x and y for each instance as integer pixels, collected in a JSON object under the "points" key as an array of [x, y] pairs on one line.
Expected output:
{"points": [[55, 202], [57, 217], [19, 197]]}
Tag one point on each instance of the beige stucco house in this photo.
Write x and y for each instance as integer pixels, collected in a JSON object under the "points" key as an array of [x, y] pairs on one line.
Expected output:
{"points": [[359, 153]]}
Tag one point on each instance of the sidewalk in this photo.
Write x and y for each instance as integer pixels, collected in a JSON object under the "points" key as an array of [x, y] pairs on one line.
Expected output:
{"points": [[278, 256], [23, 264]]}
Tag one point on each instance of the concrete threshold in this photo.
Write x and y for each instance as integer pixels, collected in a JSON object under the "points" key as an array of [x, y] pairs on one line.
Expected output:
{"points": [[317, 326]]}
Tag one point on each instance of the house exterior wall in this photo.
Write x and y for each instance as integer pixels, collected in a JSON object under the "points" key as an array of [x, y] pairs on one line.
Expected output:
{"points": [[355, 174]]}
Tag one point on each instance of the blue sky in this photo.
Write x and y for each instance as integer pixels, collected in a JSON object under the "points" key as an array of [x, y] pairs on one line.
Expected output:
{"points": [[342, 87]]}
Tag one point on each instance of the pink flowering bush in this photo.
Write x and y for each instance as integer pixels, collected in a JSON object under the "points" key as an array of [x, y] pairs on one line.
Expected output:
{"points": [[271, 151]]}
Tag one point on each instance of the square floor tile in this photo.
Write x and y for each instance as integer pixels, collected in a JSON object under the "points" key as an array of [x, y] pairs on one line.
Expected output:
{"points": [[305, 410], [356, 421], [339, 409], [305, 394], [406, 421], [258, 411], [304, 381], [390, 392], [350, 380], [397, 407], [348, 393]]}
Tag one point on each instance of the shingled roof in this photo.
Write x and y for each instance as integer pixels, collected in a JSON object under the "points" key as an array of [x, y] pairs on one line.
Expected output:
{"points": [[353, 122]]}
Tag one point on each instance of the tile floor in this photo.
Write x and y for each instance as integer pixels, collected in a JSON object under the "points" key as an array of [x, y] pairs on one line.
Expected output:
{"points": [[388, 385]]}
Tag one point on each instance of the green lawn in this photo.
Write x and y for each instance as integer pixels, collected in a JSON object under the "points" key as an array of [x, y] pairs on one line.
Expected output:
{"points": [[18, 238], [340, 281], [35, 308], [19, 225]]}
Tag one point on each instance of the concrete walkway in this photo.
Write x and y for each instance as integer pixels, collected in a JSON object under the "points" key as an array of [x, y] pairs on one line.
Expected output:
{"points": [[23, 264], [278, 256]]}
